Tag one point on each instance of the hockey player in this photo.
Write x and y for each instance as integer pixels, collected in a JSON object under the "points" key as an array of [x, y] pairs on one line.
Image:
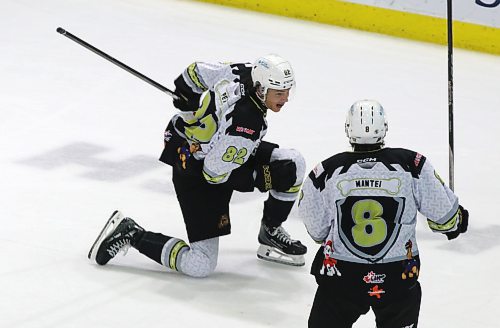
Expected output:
{"points": [[362, 207], [215, 146]]}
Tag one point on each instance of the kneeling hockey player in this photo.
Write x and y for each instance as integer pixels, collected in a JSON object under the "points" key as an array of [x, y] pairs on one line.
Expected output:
{"points": [[215, 147]]}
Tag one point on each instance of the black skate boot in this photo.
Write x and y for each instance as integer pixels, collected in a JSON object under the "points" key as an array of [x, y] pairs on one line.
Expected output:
{"points": [[277, 246], [118, 234]]}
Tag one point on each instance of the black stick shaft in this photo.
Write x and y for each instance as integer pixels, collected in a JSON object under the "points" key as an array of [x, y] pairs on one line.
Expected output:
{"points": [[116, 62], [450, 97]]}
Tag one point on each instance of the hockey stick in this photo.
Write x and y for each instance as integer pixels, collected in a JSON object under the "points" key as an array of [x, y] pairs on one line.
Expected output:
{"points": [[117, 62], [451, 167]]}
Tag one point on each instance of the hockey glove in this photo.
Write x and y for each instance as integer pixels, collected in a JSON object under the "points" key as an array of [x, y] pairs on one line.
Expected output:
{"points": [[278, 175], [227, 93], [188, 100], [241, 179], [463, 222], [263, 153]]}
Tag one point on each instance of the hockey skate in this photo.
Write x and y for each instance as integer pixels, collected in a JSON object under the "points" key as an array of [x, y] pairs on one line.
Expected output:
{"points": [[118, 235], [277, 246]]}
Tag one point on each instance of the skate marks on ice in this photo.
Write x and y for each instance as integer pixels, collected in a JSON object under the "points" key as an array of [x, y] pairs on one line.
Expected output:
{"points": [[95, 164], [236, 295], [90, 157], [473, 242], [476, 240]]}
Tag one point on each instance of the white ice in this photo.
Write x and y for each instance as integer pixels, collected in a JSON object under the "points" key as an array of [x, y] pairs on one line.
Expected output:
{"points": [[79, 137]]}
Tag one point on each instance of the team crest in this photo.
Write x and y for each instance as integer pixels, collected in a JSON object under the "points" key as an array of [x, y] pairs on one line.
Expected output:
{"points": [[369, 226]]}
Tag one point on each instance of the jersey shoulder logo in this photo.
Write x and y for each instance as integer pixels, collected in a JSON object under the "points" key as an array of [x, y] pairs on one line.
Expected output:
{"points": [[418, 158], [245, 130]]}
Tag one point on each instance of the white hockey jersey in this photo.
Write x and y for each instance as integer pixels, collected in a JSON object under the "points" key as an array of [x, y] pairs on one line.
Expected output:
{"points": [[228, 126], [363, 205]]}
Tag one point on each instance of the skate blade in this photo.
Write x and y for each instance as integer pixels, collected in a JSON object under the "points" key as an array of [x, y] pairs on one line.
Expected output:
{"points": [[113, 221], [271, 254]]}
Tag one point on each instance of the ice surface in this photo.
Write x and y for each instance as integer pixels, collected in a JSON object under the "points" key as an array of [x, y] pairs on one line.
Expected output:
{"points": [[80, 137]]}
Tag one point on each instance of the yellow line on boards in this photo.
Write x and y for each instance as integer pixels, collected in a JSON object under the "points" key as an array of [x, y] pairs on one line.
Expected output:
{"points": [[379, 20]]}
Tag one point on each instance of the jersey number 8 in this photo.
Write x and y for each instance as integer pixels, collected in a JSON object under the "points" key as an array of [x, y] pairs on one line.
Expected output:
{"points": [[369, 225], [370, 228]]}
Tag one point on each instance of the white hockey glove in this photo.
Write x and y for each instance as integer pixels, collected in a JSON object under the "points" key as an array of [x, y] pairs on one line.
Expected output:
{"points": [[227, 93]]}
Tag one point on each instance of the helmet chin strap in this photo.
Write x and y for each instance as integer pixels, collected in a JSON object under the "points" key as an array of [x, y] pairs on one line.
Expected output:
{"points": [[261, 93], [258, 96]]}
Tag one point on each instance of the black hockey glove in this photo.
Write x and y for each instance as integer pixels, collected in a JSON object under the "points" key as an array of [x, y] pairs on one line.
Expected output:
{"points": [[278, 175], [241, 179], [463, 222], [188, 99], [263, 153]]}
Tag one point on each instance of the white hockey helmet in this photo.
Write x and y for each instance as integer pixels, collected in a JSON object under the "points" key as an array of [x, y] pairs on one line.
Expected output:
{"points": [[366, 123], [272, 72]]}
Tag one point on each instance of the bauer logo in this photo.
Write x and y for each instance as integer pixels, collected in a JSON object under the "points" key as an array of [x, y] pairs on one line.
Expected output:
{"points": [[488, 4]]}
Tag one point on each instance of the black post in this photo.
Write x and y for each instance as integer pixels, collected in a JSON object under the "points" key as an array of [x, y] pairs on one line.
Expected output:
{"points": [[116, 62]]}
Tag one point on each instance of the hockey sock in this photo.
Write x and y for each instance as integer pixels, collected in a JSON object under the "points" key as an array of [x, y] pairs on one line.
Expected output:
{"points": [[151, 245], [162, 249], [276, 211]]}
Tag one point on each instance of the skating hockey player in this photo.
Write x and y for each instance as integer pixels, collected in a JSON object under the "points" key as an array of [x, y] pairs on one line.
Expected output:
{"points": [[215, 146], [362, 207]]}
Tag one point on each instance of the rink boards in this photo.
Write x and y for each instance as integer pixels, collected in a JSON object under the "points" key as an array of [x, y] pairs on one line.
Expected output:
{"points": [[476, 23]]}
